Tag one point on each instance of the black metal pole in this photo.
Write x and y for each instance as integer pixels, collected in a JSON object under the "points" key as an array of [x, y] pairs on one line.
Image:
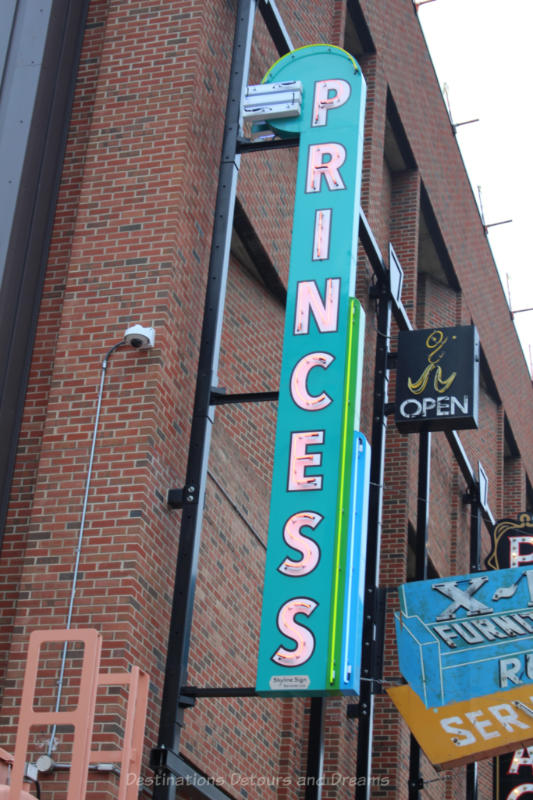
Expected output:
{"points": [[422, 513], [372, 639], [421, 570], [475, 566], [475, 531], [172, 707], [315, 750], [276, 27]]}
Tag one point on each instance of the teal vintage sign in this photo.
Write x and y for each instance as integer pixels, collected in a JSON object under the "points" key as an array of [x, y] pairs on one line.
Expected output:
{"points": [[312, 601]]}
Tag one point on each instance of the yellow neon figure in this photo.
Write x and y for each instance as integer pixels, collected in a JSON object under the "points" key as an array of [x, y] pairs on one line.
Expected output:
{"points": [[435, 342]]}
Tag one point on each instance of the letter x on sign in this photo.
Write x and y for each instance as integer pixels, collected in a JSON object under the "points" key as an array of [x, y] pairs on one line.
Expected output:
{"points": [[462, 598]]}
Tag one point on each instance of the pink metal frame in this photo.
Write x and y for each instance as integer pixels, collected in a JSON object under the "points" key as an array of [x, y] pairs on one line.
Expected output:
{"points": [[81, 719], [130, 755]]}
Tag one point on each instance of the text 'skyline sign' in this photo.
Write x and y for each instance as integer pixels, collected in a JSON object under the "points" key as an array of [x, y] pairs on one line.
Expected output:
{"points": [[313, 595]]}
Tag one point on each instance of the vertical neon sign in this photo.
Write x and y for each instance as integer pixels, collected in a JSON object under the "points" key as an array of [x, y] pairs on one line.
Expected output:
{"points": [[312, 602]]}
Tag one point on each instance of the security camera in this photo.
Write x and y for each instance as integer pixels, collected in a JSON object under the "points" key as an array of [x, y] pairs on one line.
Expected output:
{"points": [[139, 337]]}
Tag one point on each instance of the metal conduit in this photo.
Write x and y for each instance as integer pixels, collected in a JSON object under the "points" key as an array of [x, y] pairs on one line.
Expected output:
{"points": [[80, 541]]}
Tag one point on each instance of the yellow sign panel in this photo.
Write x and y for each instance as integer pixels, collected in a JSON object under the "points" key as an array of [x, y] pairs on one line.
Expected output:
{"points": [[470, 730]]}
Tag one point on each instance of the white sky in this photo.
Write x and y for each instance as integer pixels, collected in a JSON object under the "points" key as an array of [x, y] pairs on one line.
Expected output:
{"points": [[483, 51]]}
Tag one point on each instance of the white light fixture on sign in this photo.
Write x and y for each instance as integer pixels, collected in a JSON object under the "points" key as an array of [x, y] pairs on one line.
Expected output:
{"points": [[483, 485], [272, 101]]}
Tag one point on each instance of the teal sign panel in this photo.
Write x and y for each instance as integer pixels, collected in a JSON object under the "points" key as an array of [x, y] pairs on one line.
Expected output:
{"points": [[317, 521], [468, 636]]}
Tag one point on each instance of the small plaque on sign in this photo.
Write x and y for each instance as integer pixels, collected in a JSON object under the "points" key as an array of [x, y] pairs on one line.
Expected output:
{"points": [[437, 379], [289, 683]]}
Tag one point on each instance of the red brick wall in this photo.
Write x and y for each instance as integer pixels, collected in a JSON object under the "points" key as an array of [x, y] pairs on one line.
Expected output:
{"points": [[125, 249]]}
